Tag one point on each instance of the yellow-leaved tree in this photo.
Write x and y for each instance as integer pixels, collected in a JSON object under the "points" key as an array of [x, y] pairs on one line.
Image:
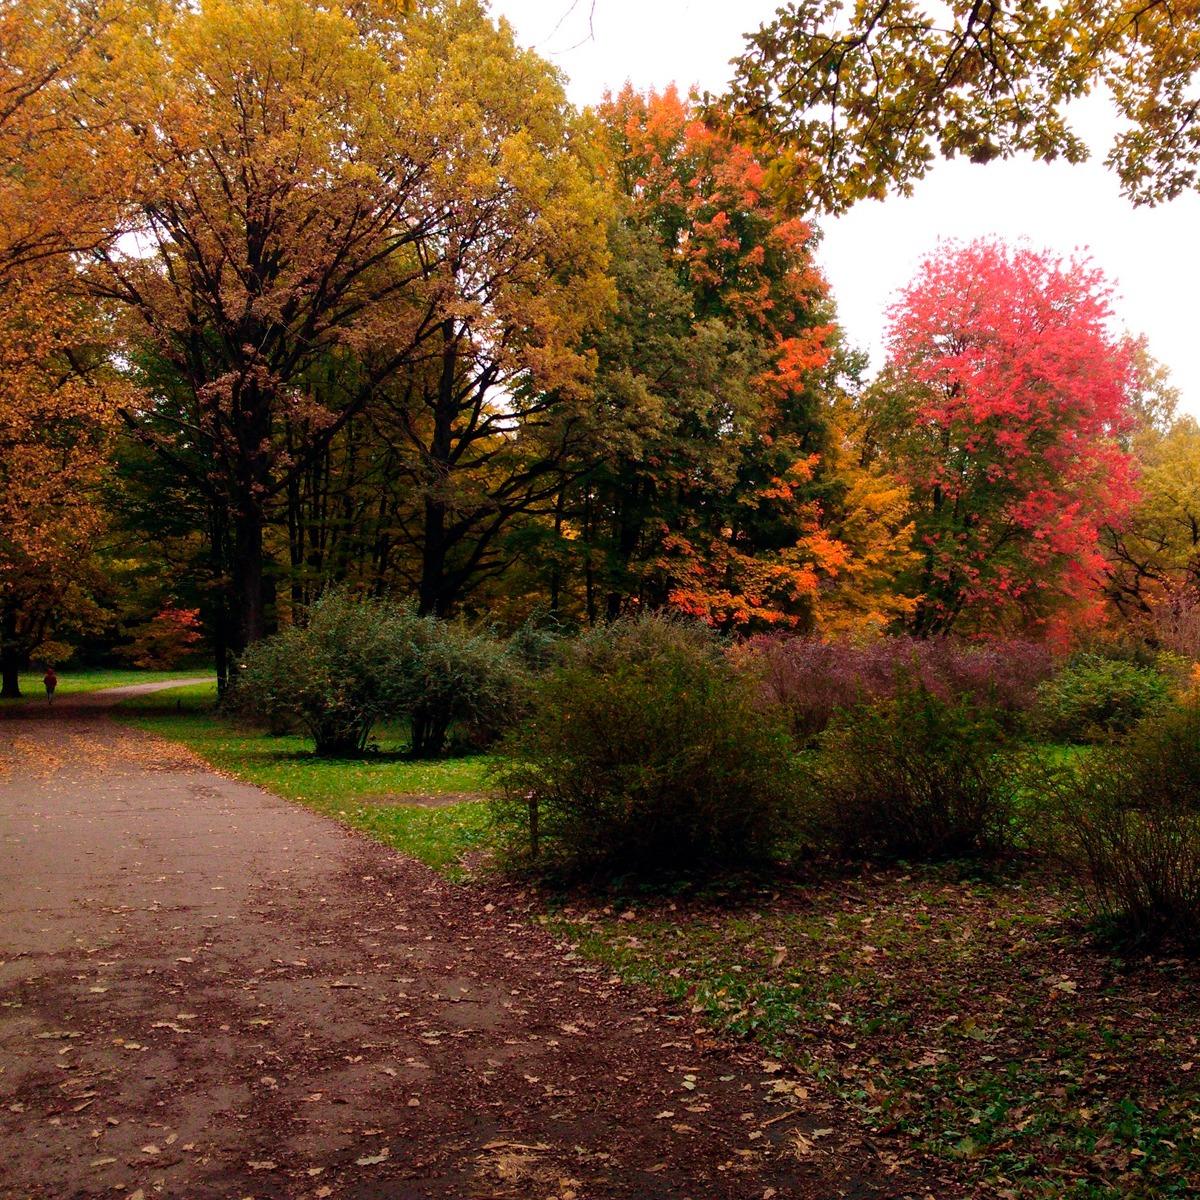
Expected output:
{"points": [[334, 200]]}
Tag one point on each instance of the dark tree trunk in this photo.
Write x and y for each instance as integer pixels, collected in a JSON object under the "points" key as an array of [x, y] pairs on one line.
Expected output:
{"points": [[248, 591], [251, 480], [432, 596], [626, 537], [429, 732], [433, 559], [221, 647], [589, 571], [10, 657], [555, 564]]}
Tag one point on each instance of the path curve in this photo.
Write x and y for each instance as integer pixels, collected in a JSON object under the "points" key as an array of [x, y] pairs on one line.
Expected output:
{"points": [[209, 992]]}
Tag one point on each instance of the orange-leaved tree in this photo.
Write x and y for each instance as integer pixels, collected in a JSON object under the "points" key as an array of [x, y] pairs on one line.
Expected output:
{"points": [[710, 491], [62, 169]]}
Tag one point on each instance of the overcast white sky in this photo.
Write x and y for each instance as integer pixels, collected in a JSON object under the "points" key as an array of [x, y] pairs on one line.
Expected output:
{"points": [[1153, 255]]}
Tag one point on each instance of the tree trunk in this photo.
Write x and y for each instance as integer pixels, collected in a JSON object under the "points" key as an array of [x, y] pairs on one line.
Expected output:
{"points": [[248, 591], [433, 559], [431, 597], [10, 657], [221, 646], [251, 479], [555, 563], [428, 735]]}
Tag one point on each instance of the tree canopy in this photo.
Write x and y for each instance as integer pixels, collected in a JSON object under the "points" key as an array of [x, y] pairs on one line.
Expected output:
{"points": [[303, 296], [865, 97]]}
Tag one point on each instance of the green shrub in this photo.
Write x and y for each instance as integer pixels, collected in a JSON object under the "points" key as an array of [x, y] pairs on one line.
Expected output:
{"points": [[1094, 697], [348, 668], [1128, 817], [463, 679], [645, 752], [538, 641], [361, 661], [915, 776]]}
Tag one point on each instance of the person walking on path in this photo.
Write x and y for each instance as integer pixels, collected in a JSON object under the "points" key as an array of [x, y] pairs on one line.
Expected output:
{"points": [[50, 679]]}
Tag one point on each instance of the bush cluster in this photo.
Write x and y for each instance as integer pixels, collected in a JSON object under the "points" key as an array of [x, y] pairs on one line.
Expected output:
{"points": [[1094, 697], [1128, 819], [649, 746], [356, 662], [811, 680], [645, 751], [914, 776]]}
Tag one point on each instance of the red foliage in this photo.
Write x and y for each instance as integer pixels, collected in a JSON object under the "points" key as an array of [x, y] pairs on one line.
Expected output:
{"points": [[1010, 436], [166, 640]]}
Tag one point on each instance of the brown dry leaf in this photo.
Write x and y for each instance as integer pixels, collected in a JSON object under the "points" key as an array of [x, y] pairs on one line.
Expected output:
{"points": [[801, 1146], [373, 1160]]}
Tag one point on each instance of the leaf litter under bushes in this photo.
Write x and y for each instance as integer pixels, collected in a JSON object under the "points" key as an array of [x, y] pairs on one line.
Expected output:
{"points": [[974, 1020]]}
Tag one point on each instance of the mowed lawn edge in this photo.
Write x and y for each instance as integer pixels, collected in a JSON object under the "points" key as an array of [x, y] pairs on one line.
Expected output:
{"points": [[428, 810], [78, 683]]}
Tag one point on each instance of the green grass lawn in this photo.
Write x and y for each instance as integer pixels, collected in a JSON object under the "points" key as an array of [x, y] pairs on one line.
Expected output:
{"points": [[350, 790], [72, 683]]}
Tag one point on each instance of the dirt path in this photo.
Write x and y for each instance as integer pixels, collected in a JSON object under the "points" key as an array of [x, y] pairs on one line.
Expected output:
{"points": [[209, 992]]}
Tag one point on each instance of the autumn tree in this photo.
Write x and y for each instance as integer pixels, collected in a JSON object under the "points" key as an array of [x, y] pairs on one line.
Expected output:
{"points": [[708, 488], [1006, 398], [873, 522], [276, 195], [867, 96], [60, 165], [484, 421], [1154, 556], [327, 192]]}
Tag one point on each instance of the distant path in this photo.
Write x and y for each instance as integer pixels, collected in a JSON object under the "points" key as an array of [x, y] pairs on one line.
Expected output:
{"points": [[209, 992]]}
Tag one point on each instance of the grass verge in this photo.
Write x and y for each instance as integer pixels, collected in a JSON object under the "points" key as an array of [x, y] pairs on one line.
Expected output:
{"points": [[393, 798], [73, 683]]}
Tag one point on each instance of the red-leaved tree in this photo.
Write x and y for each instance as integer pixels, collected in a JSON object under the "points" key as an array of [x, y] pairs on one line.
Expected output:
{"points": [[1007, 399]]}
